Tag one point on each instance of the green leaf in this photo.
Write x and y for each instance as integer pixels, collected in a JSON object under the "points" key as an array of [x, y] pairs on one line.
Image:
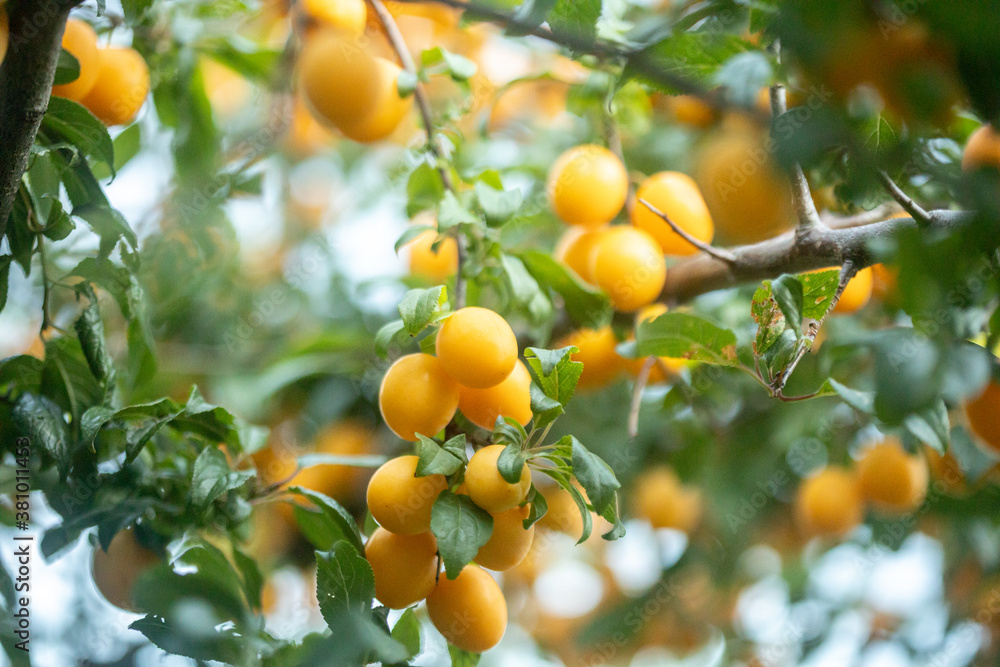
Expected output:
{"points": [[460, 658], [522, 284], [406, 631], [433, 459], [58, 224], [211, 477], [498, 205], [539, 507], [424, 189], [253, 580], [412, 232], [581, 504], [596, 477], [507, 431], [135, 10], [41, 421], [770, 321], [67, 69], [453, 212], [393, 333], [691, 56], [684, 336], [108, 223], [788, 294], [544, 410], [458, 67], [931, 426], [90, 331], [576, 19], [511, 462], [340, 520], [422, 307], [744, 74], [5, 261], [72, 123], [586, 307], [344, 582], [861, 401], [461, 528], [225, 646], [817, 292], [555, 371]]}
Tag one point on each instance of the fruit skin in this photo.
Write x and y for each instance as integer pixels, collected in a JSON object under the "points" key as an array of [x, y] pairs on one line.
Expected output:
{"points": [[417, 396], [400, 502], [120, 88], [749, 198], [477, 347], [629, 267], [470, 610], [587, 186], [892, 480], [576, 250], [117, 569], [857, 293], [405, 566], [982, 149], [678, 196], [436, 266], [983, 413], [509, 543], [829, 503], [601, 363], [511, 398], [661, 498], [81, 41], [487, 488], [388, 110], [687, 110], [346, 16], [340, 82]]}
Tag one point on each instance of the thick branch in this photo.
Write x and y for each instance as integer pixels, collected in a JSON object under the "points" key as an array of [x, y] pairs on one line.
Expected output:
{"points": [[790, 253], [26, 77]]}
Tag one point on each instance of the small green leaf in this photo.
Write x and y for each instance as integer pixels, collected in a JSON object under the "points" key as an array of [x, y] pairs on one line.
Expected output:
{"points": [[596, 477], [460, 658], [861, 401], [41, 420], [498, 206], [393, 333], [461, 528], [539, 507], [412, 232], [67, 69], [507, 431], [211, 476], [817, 292], [511, 462], [422, 307], [433, 459], [787, 291], [453, 212], [58, 225], [406, 631], [522, 284], [555, 371], [72, 123], [340, 519], [544, 410], [586, 307], [424, 189]]}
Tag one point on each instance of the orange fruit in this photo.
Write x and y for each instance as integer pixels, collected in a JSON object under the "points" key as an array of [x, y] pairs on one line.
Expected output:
{"points": [[676, 195], [340, 82], [983, 413], [629, 267], [575, 249], [117, 569], [470, 610], [476, 347], [509, 543], [511, 398], [417, 396], [436, 266], [405, 566], [829, 503], [81, 41], [661, 498], [488, 488], [982, 149], [346, 16], [601, 363], [120, 88], [388, 111], [587, 186], [400, 502], [891, 479]]}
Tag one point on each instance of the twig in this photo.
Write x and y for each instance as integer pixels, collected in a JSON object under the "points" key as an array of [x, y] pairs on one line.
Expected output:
{"points": [[640, 385], [398, 44], [805, 208], [847, 271], [922, 217], [718, 253], [877, 214]]}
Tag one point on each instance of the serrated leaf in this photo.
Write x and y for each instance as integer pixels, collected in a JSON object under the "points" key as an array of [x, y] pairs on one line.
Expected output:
{"points": [[544, 409], [392, 333], [555, 371], [345, 582], [498, 206], [511, 462], [507, 431], [684, 336], [817, 292], [433, 459], [421, 307], [73, 123], [211, 477], [341, 521], [41, 421], [406, 631], [539, 508], [575, 18], [412, 232], [596, 477], [461, 528]]}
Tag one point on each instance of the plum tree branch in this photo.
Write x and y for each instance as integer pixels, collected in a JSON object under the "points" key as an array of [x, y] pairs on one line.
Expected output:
{"points": [[718, 253], [398, 44], [26, 76], [915, 210], [791, 252]]}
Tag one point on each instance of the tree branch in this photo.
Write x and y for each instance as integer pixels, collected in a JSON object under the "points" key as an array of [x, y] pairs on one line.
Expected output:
{"points": [[398, 44], [718, 253], [26, 77], [916, 212], [791, 252], [641, 380], [805, 209]]}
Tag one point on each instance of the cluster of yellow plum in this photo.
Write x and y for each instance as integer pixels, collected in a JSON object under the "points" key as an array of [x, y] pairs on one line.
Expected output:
{"points": [[888, 478], [113, 82], [476, 369], [344, 85]]}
